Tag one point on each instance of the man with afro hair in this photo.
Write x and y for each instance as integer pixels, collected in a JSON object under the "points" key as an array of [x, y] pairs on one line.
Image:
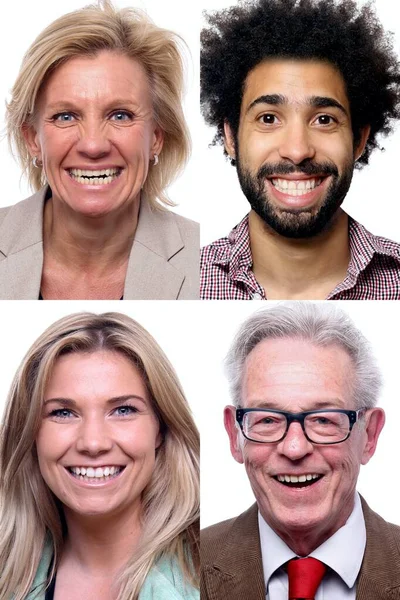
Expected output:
{"points": [[298, 91]]}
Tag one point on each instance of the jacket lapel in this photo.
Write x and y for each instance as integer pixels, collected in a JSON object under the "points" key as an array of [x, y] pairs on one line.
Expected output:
{"points": [[379, 577], [236, 572], [150, 275], [21, 244]]}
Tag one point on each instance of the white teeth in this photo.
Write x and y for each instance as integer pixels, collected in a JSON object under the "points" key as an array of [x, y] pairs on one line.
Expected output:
{"points": [[95, 473], [99, 177], [295, 187], [297, 478]]}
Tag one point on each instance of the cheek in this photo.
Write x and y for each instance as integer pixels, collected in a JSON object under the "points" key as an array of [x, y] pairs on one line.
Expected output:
{"points": [[139, 443], [338, 149], [55, 145], [257, 460], [254, 148]]}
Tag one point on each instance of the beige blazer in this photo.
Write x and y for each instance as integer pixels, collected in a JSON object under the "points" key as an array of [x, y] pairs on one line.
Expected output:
{"points": [[232, 566], [163, 263]]}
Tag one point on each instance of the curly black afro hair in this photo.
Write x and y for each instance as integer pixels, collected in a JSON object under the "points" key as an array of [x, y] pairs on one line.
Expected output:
{"points": [[338, 31]]}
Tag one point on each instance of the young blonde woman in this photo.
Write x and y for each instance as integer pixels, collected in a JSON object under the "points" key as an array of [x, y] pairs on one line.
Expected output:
{"points": [[99, 483]]}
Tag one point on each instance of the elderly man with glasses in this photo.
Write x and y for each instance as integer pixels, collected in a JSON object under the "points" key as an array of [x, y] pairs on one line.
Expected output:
{"points": [[304, 386]]}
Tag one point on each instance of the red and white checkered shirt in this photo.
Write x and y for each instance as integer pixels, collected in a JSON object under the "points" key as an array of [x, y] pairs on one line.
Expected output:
{"points": [[373, 272]]}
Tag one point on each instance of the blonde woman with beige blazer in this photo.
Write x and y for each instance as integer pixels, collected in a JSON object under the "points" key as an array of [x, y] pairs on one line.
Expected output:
{"points": [[96, 120]]}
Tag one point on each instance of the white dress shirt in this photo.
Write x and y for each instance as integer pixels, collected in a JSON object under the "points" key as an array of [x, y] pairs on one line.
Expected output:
{"points": [[343, 552]]}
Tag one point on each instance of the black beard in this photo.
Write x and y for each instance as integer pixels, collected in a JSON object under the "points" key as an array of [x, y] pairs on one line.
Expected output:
{"points": [[295, 223]]}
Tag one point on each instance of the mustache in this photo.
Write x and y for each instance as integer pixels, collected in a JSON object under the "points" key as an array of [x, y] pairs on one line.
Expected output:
{"points": [[307, 167]]}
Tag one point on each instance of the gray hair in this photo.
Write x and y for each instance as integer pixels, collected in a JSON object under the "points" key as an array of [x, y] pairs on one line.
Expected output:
{"points": [[321, 324]]}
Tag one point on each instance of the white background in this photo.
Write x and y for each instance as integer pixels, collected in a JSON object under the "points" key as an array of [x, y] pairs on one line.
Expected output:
{"points": [[196, 337], [208, 191]]}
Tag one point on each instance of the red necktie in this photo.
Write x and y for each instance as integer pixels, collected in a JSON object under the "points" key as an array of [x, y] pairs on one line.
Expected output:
{"points": [[305, 575]]}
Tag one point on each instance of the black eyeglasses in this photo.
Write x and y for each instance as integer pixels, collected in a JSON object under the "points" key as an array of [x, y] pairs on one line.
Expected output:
{"points": [[266, 425]]}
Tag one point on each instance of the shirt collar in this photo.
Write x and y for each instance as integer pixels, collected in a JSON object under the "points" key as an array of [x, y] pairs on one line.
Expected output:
{"points": [[363, 246], [343, 551]]}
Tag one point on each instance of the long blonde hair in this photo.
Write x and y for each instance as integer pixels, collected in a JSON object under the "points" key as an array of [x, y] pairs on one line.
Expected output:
{"points": [[86, 32], [30, 513]]}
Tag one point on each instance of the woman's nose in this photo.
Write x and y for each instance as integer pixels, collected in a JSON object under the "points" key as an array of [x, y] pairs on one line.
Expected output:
{"points": [[93, 437]]}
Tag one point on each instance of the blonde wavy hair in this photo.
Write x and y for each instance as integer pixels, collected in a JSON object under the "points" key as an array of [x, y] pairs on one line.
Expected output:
{"points": [[86, 32], [30, 514]]}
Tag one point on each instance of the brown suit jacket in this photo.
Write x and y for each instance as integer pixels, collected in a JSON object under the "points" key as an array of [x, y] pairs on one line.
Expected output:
{"points": [[163, 263], [232, 567]]}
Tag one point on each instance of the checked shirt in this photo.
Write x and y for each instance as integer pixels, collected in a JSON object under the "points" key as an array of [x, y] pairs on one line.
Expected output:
{"points": [[373, 272]]}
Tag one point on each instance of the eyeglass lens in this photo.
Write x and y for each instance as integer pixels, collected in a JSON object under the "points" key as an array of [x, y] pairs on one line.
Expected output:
{"points": [[320, 427]]}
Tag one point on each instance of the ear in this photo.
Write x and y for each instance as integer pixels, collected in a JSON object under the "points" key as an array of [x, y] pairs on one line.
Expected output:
{"points": [[229, 140], [32, 141], [364, 135], [158, 140], [233, 433], [374, 422]]}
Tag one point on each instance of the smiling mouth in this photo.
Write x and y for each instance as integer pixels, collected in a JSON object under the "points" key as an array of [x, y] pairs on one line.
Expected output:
{"points": [[298, 481], [296, 187], [95, 474], [92, 177]]}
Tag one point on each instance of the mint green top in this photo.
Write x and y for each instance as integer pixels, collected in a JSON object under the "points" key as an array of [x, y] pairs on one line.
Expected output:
{"points": [[165, 581]]}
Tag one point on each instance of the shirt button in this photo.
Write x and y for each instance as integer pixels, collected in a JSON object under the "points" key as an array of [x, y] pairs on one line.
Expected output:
{"points": [[256, 296]]}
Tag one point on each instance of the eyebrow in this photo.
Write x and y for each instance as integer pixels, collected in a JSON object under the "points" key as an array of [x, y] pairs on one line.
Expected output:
{"points": [[314, 101], [67, 105], [70, 403], [324, 404]]}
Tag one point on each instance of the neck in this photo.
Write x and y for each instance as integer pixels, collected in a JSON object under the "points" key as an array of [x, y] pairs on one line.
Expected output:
{"points": [[299, 269], [89, 243], [98, 545], [305, 539]]}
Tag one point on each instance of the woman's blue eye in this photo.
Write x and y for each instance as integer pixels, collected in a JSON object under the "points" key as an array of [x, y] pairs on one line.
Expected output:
{"points": [[121, 115], [61, 413], [125, 410], [63, 117]]}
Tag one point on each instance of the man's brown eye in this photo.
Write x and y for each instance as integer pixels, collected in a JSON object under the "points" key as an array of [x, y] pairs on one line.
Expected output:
{"points": [[268, 119], [325, 120]]}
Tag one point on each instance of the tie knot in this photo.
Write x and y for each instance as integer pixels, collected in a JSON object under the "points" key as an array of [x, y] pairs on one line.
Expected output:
{"points": [[305, 575]]}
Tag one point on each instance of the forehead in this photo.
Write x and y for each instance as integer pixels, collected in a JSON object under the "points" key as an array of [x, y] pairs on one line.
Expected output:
{"points": [[97, 374], [296, 375], [105, 76], [295, 79]]}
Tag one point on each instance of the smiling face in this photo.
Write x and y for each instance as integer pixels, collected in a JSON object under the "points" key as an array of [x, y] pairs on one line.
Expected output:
{"points": [[95, 133], [294, 148], [97, 441], [295, 376]]}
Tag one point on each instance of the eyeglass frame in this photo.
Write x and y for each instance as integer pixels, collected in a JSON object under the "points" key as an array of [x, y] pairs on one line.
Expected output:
{"points": [[299, 418]]}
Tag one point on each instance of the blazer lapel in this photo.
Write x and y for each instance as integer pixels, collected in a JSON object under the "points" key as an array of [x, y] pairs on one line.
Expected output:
{"points": [[379, 577], [149, 276], [21, 243], [237, 573], [157, 239]]}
